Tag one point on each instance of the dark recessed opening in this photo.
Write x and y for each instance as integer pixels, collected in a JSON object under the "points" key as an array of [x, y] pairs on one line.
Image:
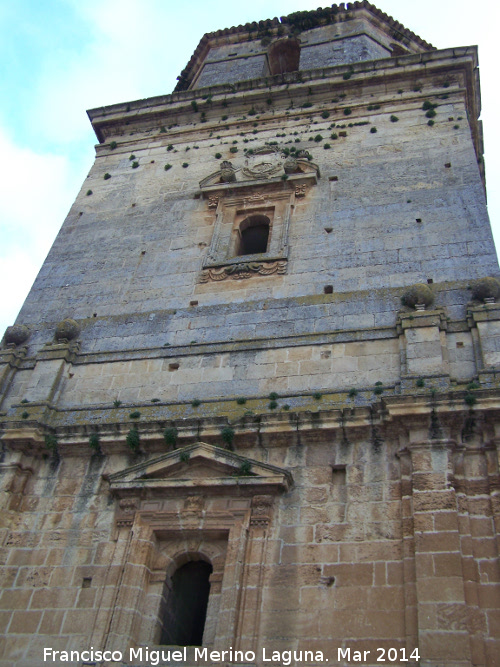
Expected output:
{"points": [[328, 289], [254, 235], [460, 343], [447, 165], [284, 56], [186, 608], [86, 582], [193, 303], [333, 178], [418, 219], [429, 281]]}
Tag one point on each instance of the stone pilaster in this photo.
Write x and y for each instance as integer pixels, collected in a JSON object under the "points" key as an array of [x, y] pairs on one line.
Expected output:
{"points": [[443, 636]]}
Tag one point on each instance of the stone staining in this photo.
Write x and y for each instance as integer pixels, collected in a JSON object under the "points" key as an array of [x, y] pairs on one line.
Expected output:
{"points": [[305, 422]]}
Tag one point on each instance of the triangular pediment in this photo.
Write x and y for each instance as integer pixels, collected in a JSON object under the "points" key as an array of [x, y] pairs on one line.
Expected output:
{"points": [[199, 465]]}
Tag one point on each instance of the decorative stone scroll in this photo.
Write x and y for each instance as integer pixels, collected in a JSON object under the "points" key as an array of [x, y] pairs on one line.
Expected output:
{"points": [[261, 510], [127, 508], [253, 199], [243, 270]]}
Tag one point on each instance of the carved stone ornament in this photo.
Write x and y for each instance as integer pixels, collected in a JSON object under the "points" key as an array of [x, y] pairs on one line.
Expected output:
{"points": [[16, 334], [268, 163], [194, 504], [256, 198], [227, 172], [243, 270], [127, 508], [486, 288], [67, 330], [264, 163], [418, 294], [261, 510], [213, 202], [290, 165], [300, 190]]}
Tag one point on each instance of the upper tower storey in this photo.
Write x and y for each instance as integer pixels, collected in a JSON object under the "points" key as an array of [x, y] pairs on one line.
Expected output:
{"points": [[308, 40]]}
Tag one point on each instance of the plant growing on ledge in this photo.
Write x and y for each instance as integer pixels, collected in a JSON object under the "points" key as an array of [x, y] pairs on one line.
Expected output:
{"points": [[195, 402], [135, 415], [94, 442], [135, 164], [170, 436], [241, 400], [133, 440], [420, 382], [317, 396], [184, 457], [116, 403], [107, 176], [88, 193], [113, 145], [353, 392], [473, 385], [51, 443], [378, 388], [227, 435], [470, 399], [245, 469]]}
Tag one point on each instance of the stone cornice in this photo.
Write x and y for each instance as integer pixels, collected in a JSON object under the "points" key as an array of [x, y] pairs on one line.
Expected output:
{"points": [[158, 111]]}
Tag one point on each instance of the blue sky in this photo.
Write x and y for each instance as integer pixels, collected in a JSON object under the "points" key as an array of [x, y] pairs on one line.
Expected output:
{"points": [[61, 57]]}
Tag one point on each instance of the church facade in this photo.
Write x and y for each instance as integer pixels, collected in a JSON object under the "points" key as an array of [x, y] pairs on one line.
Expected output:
{"points": [[250, 409]]}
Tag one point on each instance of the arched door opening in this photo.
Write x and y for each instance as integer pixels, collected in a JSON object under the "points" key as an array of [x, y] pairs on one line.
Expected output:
{"points": [[183, 620]]}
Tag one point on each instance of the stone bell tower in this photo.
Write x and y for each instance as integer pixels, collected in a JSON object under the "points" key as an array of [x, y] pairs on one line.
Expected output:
{"points": [[251, 402]]}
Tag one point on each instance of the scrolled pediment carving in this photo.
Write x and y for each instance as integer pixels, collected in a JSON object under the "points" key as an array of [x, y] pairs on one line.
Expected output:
{"points": [[243, 270], [266, 164]]}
